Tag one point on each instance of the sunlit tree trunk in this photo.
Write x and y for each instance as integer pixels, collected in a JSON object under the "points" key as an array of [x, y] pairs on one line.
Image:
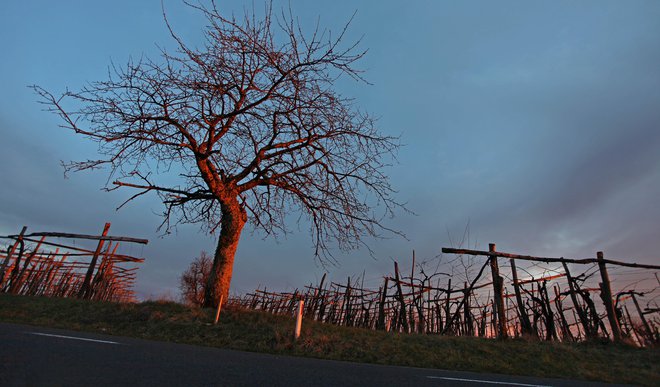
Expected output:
{"points": [[232, 223]]}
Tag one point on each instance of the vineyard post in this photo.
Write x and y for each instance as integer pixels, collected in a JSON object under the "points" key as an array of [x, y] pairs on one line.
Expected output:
{"points": [[582, 314], [647, 327], [411, 310], [347, 302], [11, 252], [631, 328], [299, 314], [21, 279], [606, 296], [565, 328], [498, 296], [381, 307], [448, 321], [526, 325], [85, 288], [15, 278], [402, 315], [467, 315]]}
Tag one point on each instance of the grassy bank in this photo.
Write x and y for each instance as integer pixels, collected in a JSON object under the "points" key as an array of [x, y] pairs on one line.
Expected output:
{"points": [[261, 332]]}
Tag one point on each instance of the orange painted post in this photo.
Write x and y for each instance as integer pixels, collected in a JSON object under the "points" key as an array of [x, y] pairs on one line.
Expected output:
{"points": [[301, 304], [217, 313]]}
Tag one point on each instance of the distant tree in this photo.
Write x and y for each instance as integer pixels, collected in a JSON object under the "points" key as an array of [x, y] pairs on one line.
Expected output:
{"points": [[193, 281], [253, 128]]}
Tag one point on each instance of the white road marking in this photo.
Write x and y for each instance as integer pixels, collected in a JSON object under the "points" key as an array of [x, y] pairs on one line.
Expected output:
{"points": [[487, 381], [73, 338]]}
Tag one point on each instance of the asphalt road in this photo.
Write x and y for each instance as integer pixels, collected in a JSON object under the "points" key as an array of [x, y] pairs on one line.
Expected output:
{"points": [[36, 356]]}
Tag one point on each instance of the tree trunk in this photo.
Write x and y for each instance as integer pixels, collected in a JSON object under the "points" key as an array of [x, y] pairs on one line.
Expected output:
{"points": [[232, 223]]}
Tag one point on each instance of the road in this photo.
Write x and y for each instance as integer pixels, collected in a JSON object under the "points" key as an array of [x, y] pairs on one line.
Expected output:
{"points": [[36, 356]]}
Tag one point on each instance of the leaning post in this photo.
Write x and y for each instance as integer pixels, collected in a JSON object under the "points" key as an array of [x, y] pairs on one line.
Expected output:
{"points": [[606, 296], [380, 325], [299, 314], [10, 252], [217, 313], [647, 327], [498, 293], [525, 324], [85, 289]]}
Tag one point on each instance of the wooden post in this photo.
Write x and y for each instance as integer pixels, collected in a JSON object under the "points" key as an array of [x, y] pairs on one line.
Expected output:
{"points": [[439, 322], [647, 327], [402, 315], [606, 296], [467, 314], [85, 288], [101, 272], [448, 322], [582, 314], [13, 279], [217, 313], [631, 328], [411, 311], [21, 276], [493, 318], [11, 252], [381, 307], [498, 300], [347, 301], [546, 309], [299, 315], [565, 328], [525, 324], [318, 295]]}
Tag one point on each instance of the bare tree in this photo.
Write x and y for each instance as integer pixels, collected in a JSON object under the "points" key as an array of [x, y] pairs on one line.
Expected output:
{"points": [[194, 279], [252, 126]]}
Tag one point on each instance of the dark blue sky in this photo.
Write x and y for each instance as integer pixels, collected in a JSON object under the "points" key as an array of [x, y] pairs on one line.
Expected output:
{"points": [[536, 122]]}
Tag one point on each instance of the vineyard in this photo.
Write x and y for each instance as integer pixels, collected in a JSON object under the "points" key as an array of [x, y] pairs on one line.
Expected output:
{"points": [[34, 264], [480, 293], [555, 299]]}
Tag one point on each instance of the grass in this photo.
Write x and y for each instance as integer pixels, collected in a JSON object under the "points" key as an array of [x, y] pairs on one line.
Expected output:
{"points": [[262, 332]]}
